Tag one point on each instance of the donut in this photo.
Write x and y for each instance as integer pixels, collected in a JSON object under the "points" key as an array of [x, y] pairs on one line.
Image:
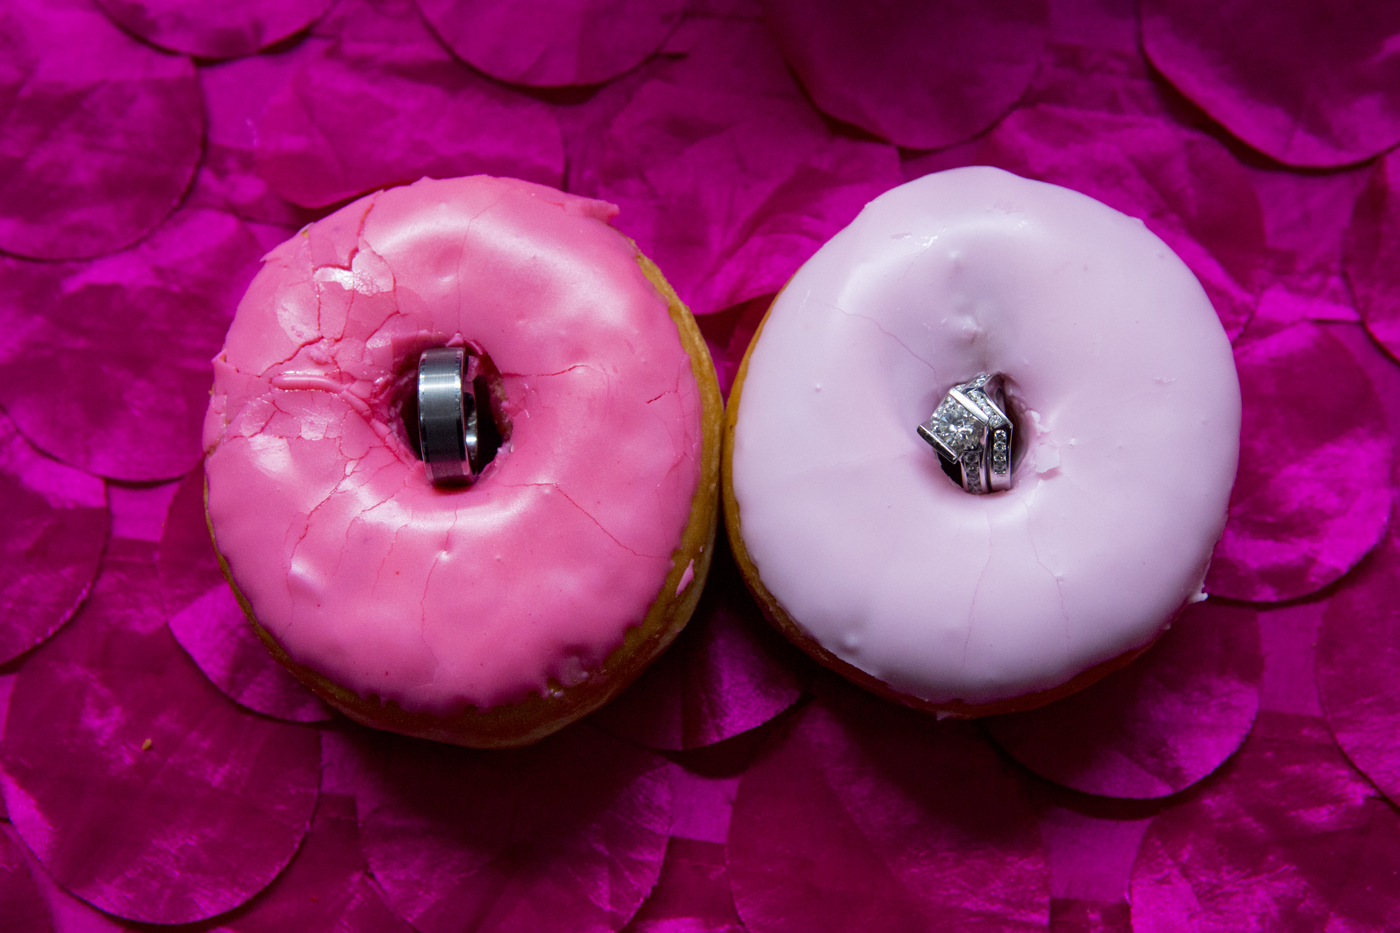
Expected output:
{"points": [[1123, 390], [493, 614]]}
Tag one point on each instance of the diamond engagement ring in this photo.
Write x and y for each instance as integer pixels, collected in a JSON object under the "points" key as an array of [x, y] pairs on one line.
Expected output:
{"points": [[973, 435], [447, 415]]}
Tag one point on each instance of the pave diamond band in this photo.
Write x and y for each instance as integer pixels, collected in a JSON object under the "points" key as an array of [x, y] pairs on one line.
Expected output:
{"points": [[973, 435]]}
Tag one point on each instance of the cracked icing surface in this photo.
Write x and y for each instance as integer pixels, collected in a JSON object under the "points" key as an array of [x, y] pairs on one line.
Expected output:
{"points": [[353, 562], [1130, 420]]}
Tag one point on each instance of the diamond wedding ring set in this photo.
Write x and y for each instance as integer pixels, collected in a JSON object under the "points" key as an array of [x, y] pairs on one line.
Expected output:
{"points": [[972, 434]]}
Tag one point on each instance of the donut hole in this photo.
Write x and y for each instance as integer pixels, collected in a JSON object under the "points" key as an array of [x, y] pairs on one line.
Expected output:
{"points": [[492, 427]]}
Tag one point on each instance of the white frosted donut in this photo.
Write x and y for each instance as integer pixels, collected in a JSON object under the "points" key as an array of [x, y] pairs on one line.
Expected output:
{"points": [[1129, 411]]}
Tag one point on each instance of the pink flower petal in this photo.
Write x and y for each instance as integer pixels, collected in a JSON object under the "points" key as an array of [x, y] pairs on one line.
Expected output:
{"points": [[1150, 168], [1373, 254], [55, 528], [236, 95], [728, 672], [1358, 666], [574, 827], [578, 42], [1306, 216], [1297, 522], [1158, 725], [105, 364], [1309, 85], [692, 894], [138, 785], [1290, 838], [210, 625], [213, 30], [866, 816], [386, 104], [921, 75], [21, 904], [730, 185], [1068, 915], [76, 91]]}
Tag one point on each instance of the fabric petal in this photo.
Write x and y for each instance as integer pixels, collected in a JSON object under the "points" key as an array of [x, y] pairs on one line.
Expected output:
{"points": [[920, 75], [207, 621], [1152, 169], [691, 895], [236, 95], [140, 787], [213, 30], [1297, 522], [1290, 838], [55, 528], [578, 42], [730, 185], [865, 816], [574, 827], [105, 364], [1373, 254], [1158, 725], [21, 903], [76, 91], [1308, 85], [728, 672], [1358, 666], [385, 105]]}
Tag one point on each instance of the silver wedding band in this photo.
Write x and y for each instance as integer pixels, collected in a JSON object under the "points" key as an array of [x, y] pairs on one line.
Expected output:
{"points": [[447, 415]]}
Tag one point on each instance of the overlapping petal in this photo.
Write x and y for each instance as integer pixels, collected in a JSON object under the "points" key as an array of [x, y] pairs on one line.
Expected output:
{"points": [[731, 184], [213, 30], [574, 828], [728, 672], [921, 75], [577, 42], [864, 816], [55, 528], [1289, 838], [140, 787], [386, 104], [1373, 254], [1306, 84], [1158, 725], [1297, 522], [99, 134]]}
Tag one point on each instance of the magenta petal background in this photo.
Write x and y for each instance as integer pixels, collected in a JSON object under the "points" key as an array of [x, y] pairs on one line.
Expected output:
{"points": [[1291, 838], [1297, 523], [56, 525], [1373, 254], [1156, 726], [140, 787], [1358, 666], [573, 42], [730, 183], [385, 105], [213, 29], [21, 904], [862, 816], [99, 134], [105, 364], [574, 827], [921, 75], [728, 672], [1304, 83]]}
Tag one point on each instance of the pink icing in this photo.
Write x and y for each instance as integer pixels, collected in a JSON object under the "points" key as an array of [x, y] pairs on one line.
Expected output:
{"points": [[351, 559], [1131, 417]]}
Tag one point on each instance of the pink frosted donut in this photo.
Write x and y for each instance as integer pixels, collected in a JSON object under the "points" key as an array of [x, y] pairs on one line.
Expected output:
{"points": [[493, 614], [1124, 386]]}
